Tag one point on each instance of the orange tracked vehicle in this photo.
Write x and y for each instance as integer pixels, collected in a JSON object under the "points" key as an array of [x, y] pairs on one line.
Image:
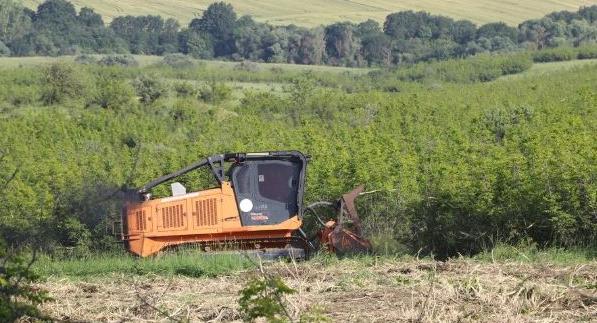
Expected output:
{"points": [[258, 204]]}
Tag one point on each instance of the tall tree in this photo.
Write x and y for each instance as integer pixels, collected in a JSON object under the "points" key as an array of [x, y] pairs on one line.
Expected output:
{"points": [[196, 43], [368, 27], [566, 16], [377, 49], [441, 27], [56, 26], [340, 43], [4, 50], [14, 21], [144, 33], [463, 31], [589, 13], [497, 29], [580, 31], [168, 38], [89, 18], [252, 38], [312, 47], [541, 32], [56, 15], [219, 21], [407, 24]]}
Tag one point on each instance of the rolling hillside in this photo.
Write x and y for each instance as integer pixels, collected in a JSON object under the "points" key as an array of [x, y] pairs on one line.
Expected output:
{"points": [[314, 12]]}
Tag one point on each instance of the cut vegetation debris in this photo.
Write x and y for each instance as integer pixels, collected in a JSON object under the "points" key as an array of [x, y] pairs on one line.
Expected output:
{"points": [[349, 290]]}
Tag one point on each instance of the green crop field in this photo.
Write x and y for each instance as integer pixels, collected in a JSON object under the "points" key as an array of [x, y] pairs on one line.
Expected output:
{"points": [[315, 12]]}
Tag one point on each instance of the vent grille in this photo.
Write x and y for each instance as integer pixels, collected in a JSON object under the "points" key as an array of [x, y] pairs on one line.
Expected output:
{"points": [[141, 220], [206, 212], [172, 216]]}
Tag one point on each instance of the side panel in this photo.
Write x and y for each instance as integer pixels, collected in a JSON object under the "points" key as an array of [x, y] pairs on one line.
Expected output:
{"points": [[172, 215], [206, 213], [139, 220]]}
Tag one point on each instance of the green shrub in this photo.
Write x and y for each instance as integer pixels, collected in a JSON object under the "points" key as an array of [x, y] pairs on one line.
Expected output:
{"points": [[184, 109], [149, 88], [24, 95], [559, 54], [118, 60], [515, 64], [554, 55], [247, 66], [185, 89], [178, 61], [4, 50], [86, 60], [264, 298], [481, 68], [265, 104], [18, 298], [113, 93], [62, 81], [587, 52], [215, 92]]}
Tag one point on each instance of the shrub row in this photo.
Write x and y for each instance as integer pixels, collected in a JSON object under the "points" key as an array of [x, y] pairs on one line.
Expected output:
{"points": [[481, 68], [565, 54]]}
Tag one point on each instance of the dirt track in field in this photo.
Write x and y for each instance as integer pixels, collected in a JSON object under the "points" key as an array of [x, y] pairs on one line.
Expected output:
{"points": [[347, 291]]}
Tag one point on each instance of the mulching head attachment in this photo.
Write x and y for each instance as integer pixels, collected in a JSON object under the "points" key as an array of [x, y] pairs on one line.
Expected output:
{"points": [[345, 234]]}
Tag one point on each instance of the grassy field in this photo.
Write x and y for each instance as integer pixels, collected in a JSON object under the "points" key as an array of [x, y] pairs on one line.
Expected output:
{"points": [[504, 285], [315, 12], [552, 67], [260, 77], [145, 60], [11, 62], [218, 66], [183, 263], [243, 78]]}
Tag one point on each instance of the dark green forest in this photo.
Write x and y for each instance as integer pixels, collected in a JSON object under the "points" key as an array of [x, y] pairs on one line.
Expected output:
{"points": [[466, 163], [56, 28]]}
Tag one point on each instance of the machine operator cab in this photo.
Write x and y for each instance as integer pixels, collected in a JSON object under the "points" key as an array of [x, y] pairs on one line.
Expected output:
{"points": [[267, 190], [268, 187]]}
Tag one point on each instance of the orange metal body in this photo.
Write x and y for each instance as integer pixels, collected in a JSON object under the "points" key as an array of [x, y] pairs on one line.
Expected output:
{"points": [[205, 216]]}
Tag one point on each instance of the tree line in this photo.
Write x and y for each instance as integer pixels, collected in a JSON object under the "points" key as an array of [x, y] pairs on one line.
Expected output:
{"points": [[56, 28]]}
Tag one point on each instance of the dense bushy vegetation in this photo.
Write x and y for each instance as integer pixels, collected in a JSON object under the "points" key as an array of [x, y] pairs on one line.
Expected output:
{"points": [[481, 68], [18, 298], [565, 54], [472, 163], [56, 28]]}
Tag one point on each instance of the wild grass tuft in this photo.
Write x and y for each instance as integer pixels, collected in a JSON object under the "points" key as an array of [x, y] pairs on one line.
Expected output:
{"points": [[183, 263], [531, 253]]}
